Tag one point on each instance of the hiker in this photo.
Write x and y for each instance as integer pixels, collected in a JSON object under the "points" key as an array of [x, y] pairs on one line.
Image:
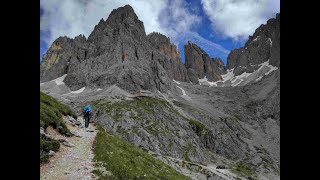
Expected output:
{"points": [[87, 115]]}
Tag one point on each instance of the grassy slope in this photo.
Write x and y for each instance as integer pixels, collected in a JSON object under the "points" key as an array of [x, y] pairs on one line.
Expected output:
{"points": [[47, 144], [125, 161], [51, 112], [142, 106], [145, 108]]}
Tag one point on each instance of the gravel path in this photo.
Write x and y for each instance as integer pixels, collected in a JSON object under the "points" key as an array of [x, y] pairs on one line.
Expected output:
{"points": [[222, 173], [75, 162]]}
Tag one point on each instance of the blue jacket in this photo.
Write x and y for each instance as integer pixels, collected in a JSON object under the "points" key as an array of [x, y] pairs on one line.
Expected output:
{"points": [[87, 109]]}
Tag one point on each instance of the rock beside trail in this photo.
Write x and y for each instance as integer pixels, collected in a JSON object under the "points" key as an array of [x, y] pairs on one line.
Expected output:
{"points": [[66, 143], [42, 133], [51, 153], [73, 121], [79, 136]]}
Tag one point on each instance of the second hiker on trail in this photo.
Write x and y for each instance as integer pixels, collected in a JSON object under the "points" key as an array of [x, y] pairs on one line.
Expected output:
{"points": [[87, 115]]}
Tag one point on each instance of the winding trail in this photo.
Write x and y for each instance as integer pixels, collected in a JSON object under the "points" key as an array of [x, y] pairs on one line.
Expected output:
{"points": [[75, 162], [222, 173]]}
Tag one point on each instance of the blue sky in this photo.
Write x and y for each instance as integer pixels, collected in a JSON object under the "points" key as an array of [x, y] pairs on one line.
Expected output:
{"points": [[217, 26]]}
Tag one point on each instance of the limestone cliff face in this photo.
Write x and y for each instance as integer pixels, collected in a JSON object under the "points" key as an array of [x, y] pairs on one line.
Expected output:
{"points": [[264, 45], [173, 63], [64, 50], [200, 65]]}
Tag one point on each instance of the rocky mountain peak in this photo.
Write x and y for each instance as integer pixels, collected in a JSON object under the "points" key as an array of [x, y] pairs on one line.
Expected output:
{"points": [[80, 38], [117, 52], [123, 13], [158, 39], [200, 65], [263, 46], [121, 23], [60, 41], [125, 16], [162, 43], [172, 63]]}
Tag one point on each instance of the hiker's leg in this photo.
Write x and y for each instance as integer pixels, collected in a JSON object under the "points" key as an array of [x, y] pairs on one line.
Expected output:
{"points": [[86, 121]]}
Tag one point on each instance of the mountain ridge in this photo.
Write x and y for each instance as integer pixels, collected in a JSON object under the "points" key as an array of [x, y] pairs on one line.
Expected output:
{"points": [[126, 32]]}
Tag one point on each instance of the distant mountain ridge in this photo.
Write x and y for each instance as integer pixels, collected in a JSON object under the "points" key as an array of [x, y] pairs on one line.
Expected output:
{"points": [[119, 52]]}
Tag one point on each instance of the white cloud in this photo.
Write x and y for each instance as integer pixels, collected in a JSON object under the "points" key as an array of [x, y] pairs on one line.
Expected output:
{"points": [[176, 18], [196, 38], [73, 17], [238, 19], [213, 49]]}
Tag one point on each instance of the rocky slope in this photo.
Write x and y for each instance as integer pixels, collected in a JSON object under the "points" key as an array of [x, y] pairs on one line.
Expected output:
{"points": [[140, 91]]}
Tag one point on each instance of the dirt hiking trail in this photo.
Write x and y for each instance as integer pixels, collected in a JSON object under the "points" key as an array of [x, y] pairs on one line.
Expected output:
{"points": [[74, 160]]}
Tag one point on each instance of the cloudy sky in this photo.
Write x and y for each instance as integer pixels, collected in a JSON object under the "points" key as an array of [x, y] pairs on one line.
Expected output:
{"points": [[217, 26]]}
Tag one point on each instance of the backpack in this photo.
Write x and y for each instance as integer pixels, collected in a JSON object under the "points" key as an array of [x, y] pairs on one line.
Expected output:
{"points": [[87, 109]]}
